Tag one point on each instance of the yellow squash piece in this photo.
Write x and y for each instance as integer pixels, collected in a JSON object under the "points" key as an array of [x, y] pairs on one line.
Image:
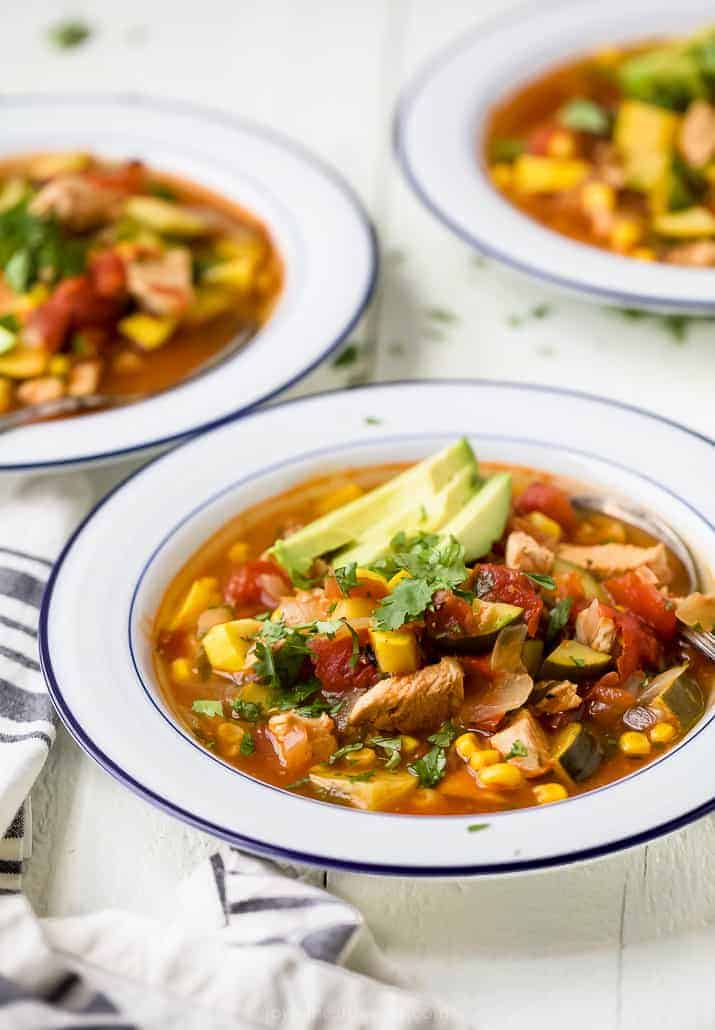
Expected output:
{"points": [[23, 363], [46, 166], [237, 274], [12, 192], [644, 128], [535, 174], [165, 217], [227, 645], [396, 653], [209, 302], [354, 608], [147, 331], [693, 223], [181, 670], [378, 793], [203, 593], [238, 552]]}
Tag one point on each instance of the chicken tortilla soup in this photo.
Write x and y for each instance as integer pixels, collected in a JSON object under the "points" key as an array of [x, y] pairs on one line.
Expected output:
{"points": [[442, 638], [617, 149], [119, 280]]}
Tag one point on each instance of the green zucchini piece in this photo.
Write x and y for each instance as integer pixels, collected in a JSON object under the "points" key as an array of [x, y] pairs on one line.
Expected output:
{"points": [[532, 652], [589, 584], [574, 661], [577, 753], [683, 699], [492, 617]]}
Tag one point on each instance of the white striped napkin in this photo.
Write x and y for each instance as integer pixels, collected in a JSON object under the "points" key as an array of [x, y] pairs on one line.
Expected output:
{"points": [[250, 946]]}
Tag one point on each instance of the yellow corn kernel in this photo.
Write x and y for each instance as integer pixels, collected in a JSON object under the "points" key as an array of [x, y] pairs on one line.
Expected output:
{"points": [[362, 759], [544, 525], [238, 552], [181, 670], [598, 196], [662, 733], [547, 793], [466, 745], [228, 643], [644, 254], [147, 331], [337, 498], [483, 759], [501, 175], [23, 363], [203, 593], [229, 737], [501, 775], [634, 744], [408, 744], [625, 233], [561, 144], [397, 578], [5, 394], [59, 365], [396, 652], [354, 608], [237, 274]]}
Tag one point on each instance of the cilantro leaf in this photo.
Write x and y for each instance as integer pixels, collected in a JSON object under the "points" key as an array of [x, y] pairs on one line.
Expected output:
{"points": [[517, 751], [68, 34], [543, 581], [431, 767], [248, 744], [348, 357], [345, 750], [444, 735], [558, 618], [346, 576], [407, 601], [251, 711], [211, 708], [362, 777], [476, 827], [393, 748], [583, 115], [579, 662]]}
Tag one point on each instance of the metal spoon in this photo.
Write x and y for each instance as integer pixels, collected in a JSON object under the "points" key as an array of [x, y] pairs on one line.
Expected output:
{"points": [[656, 527], [90, 402]]}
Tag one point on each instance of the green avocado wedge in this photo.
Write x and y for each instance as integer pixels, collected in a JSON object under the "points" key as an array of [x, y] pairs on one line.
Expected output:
{"points": [[482, 521]]}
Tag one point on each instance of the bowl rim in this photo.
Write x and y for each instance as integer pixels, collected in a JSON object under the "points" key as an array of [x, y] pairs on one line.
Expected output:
{"points": [[261, 847], [410, 94], [219, 117]]}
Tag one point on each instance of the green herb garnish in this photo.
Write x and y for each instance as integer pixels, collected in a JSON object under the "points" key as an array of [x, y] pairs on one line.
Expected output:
{"points": [[433, 563], [517, 750], [345, 750], [346, 577], [248, 744], [251, 711], [69, 34], [211, 708], [584, 115], [543, 581], [392, 746], [579, 662], [348, 357], [476, 827], [558, 617]]}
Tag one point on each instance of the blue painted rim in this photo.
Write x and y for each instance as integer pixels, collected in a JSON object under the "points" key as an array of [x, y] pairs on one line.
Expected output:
{"points": [[308, 858], [483, 244], [230, 121]]}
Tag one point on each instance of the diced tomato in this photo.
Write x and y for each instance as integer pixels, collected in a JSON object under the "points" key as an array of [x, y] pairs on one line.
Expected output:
{"points": [[477, 665], [335, 668], [538, 140], [639, 645], [257, 582], [606, 701], [643, 598], [550, 500], [452, 616], [74, 304], [107, 274], [498, 583], [129, 177]]}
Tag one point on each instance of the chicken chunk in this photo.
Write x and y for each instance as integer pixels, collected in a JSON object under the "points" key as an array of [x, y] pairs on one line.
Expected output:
{"points": [[161, 283], [526, 554], [558, 696], [524, 734], [299, 741], [413, 703], [696, 140], [594, 629], [614, 559], [41, 390], [76, 202], [697, 610], [305, 606], [698, 254], [84, 378]]}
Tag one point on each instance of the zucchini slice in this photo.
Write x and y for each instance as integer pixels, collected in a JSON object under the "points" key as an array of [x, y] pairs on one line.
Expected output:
{"points": [[680, 697], [532, 652], [491, 618], [589, 584], [574, 661], [576, 752]]}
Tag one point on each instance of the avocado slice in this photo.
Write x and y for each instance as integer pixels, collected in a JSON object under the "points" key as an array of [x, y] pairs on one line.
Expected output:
{"points": [[483, 519], [350, 523], [428, 517], [165, 217], [667, 76], [574, 661]]}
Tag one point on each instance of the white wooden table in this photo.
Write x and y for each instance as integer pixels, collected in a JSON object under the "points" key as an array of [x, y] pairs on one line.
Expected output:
{"points": [[622, 943]]}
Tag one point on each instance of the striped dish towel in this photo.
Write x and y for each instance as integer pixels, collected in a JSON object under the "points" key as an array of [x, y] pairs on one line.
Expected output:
{"points": [[251, 945]]}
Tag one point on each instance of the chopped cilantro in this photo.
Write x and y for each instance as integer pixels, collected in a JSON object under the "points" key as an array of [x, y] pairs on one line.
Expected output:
{"points": [[211, 708], [505, 149], [298, 783], [251, 711], [392, 746], [430, 769], [362, 777], [68, 34], [163, 191], [442, 315], [444, 735], [583, 115], [543, 581], [10, 322], [345, 750], [579, 662], [517, 750], [372, 420], [248, 744], [346, 576], [432, 562], [558, 617], [476, 827], [348, 357]]}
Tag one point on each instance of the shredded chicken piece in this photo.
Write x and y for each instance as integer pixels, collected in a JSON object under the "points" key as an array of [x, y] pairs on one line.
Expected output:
{"points": [[161, 284], [38, 391], [526, 554], [696, 140], [698, 254], [305, 606], [412, 703], [560, 696], [697, 610], [614, 559], [594, 629], [84, 378], [76, 202], [524, 734], [299, 741]]}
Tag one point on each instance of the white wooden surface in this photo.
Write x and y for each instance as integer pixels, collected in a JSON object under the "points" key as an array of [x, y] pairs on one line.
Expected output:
{"points": [[616, 944]]}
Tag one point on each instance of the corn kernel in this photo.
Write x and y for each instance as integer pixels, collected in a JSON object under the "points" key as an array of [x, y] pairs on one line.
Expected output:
{"points": [[644, 254], [466, 745], [229, 737], [662, 733], [634, 744], [544, 525], [59, 365], [181, 670], [561, 144], [362, 759], [408, 744], [238, 552], [502, 175], [482, 759], [625, 233], [547, 793], [397, 578], [337, 498], [501, 775], [598, 196]]}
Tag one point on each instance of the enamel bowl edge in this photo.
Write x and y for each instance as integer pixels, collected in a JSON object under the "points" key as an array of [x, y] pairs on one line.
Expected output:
{"points": [[319, 226], [99, 668], [438, 130]]}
